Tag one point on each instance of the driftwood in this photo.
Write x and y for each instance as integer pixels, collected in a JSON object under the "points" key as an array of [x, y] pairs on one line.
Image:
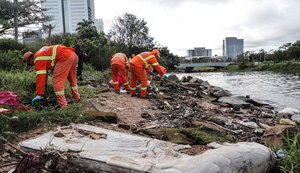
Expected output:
{"points": [[223, 128], [181, 86], [3, 140], [8, 164], [90, 166]]}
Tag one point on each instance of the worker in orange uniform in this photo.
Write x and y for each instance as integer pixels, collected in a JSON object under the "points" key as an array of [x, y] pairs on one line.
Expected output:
{"points": [[63, 61], [139, 66], [119, 64]]}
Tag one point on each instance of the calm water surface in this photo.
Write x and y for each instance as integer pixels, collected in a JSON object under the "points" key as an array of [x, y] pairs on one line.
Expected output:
{"points": [[279, 90]]}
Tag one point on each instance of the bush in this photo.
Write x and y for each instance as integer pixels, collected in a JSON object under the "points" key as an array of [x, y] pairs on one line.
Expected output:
{"points": [[9, 44], [22, 83], [283, 67], [11, 60]]}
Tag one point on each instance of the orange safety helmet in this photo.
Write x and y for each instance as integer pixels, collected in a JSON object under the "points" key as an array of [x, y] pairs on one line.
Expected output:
{"points": [[156, 52], [26, 56]]}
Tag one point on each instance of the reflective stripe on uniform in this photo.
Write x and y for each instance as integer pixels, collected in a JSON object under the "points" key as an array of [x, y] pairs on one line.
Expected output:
{"points": [[43, 58], [144, 88], [126, 83], [59, 92], [53, 55], [155, 64], [119, 55], [51, 58], [41, 72], [115, 83], [133, 89], [146, 59], [74, 88]]}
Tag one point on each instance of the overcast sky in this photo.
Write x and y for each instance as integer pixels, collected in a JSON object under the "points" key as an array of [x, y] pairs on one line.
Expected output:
{"points": [[185, 24]]}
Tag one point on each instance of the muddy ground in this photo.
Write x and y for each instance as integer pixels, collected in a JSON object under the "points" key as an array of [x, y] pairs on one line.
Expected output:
{"points": [[183, 112]]}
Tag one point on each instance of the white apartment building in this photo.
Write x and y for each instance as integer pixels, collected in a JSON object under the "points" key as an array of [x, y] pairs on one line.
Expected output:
{"points": [[199, 51], [67, 13]]}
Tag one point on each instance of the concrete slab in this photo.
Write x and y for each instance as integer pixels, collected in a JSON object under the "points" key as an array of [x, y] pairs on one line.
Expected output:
{"points": [[95, 146], [114, 148]]}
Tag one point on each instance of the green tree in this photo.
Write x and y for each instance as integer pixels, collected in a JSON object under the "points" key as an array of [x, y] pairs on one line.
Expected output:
{"points": [[293, 52], [131, 31], [29, 12], [99, 52], [168, 60], [86, 29]]}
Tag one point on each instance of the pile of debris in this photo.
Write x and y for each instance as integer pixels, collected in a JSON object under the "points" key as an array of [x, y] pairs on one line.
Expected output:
{"points": [[195, 108], [187, 111]]}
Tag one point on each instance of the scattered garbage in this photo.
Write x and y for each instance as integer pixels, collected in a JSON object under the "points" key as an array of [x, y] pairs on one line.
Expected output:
{"points": [[186, 111], [125, 151]]}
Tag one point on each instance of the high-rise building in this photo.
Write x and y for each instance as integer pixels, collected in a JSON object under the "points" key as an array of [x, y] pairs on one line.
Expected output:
{"points": [[199, 51], [232, 47], [190, 52], [99, 25], [208, 52], [67, 13]]}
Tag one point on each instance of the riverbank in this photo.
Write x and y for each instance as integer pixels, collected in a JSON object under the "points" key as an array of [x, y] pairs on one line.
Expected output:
{"points": [[188, 111], [278, 89], [292, 67]]}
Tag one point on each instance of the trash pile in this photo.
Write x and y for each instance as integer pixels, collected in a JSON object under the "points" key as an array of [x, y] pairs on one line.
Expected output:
{"points": [[187, 111], [196, 108]]}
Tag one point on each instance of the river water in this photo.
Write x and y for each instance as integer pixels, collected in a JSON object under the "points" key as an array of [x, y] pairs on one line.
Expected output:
{"points": [[276, 89]]}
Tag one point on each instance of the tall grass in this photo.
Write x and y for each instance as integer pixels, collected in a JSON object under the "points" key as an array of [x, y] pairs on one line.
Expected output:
{"points": [[291, 162], [90, 73], [22, 82], [16, 122], [283, 67]]}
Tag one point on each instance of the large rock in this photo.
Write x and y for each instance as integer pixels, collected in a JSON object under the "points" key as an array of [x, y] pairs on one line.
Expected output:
{"points": [[110, 117], [173, 77], [234, 101], [196, 80], [186, 78], [218, 91], [290, 111]]}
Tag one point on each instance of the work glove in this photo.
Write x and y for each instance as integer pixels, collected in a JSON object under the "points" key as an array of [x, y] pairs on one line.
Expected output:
{"points": [[36, 100], [165, 77]]}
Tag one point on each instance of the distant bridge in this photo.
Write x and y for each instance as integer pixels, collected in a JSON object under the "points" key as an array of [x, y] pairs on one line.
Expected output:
{"points": [[205, 64]]}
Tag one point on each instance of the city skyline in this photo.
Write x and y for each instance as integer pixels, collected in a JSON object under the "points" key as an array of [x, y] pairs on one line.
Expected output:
{"points": [[184, 24], [66, 14]]}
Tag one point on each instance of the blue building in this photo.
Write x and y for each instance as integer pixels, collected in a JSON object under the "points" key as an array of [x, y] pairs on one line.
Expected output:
{"points": [[232, 48]]}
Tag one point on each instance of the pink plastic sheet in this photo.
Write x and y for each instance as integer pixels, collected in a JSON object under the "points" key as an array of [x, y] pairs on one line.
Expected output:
{"points": [[9, 98]]}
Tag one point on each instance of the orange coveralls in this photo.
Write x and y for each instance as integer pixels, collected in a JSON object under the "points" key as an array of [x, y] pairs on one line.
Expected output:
{"points": [[139, 66], [64, 60], [119, 63]]}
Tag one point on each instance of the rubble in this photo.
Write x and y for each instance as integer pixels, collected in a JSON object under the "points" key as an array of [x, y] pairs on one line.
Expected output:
{"points": [[192, 112]]}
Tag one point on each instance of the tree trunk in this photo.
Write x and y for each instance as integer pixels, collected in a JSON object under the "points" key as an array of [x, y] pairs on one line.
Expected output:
{"points": [[16, 19]]}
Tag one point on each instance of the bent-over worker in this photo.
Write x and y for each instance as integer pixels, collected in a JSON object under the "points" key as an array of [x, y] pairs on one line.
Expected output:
{"points": [[139, 66], [63, 61], [119, 64]]}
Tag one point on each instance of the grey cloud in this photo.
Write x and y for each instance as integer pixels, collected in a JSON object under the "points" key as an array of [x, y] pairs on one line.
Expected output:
{"points": [[278, 24], [175, 3]]}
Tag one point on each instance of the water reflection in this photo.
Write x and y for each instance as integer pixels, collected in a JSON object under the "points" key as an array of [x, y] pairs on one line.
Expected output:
{"points": [[279, 90]]}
